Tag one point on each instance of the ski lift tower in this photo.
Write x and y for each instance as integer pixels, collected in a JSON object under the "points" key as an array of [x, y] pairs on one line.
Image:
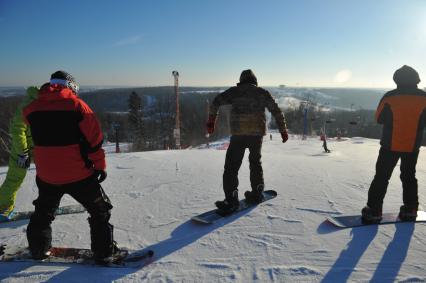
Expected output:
{"points": [[176, 131], [306, 105]]}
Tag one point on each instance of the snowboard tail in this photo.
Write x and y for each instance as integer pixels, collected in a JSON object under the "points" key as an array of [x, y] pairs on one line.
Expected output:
{"points": [[214, 215], [68, 209], [61, 255], [349, 221]]}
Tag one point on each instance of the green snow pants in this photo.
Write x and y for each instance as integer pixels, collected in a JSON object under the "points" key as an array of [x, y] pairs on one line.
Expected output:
{"points": [[14, 178]]}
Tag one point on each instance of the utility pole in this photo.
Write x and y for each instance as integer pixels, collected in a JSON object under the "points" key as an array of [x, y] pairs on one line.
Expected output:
{"points": [[208, 113], [176, 132], [116, 127]]}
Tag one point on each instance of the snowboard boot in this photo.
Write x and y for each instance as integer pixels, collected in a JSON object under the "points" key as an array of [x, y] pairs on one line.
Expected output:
{"points": [[256, 195], [408, 212], [40, 254], [371, 215], [39, 236], [115, 257], [229, 205]]}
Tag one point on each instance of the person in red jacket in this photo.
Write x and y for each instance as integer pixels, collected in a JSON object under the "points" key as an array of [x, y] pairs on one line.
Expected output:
{"points": [[402, 112], [70, 160]]}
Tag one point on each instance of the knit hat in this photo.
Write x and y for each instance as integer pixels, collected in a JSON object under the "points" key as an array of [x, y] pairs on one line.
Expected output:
{"points": [[247, 76], [65, 79], [406, 76]]}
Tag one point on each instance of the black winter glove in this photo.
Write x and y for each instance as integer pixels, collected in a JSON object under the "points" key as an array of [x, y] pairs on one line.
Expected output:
{"points": [[100, 175], [23, 160]]}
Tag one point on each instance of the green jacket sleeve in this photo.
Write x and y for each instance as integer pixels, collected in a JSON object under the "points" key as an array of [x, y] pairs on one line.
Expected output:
{"points": [[20, 132]]}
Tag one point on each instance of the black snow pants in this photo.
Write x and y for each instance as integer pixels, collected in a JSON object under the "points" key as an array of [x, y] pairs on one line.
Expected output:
{"points": [[386, 162], [234, 158], [87, 192]]}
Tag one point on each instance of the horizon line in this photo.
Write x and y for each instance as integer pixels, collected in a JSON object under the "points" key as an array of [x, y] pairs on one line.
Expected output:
{"points": [[223, 86]]}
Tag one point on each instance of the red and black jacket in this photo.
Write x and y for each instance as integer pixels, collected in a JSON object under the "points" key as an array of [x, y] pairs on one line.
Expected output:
{"points": [[403, 114], [67, 136]]}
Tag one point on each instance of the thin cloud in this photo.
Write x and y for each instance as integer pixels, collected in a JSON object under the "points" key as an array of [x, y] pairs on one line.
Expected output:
{"points": [[128, 41], [342, 76]]}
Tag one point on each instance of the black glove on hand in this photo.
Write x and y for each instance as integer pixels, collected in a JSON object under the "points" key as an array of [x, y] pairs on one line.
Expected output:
{"points": [[23, 160], [100, 175]]}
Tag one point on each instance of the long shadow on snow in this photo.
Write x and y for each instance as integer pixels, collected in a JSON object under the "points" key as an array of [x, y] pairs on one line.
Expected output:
{"points": [[10, 270], [349, 257], [184, 235], [395, 254], [14, 224]]}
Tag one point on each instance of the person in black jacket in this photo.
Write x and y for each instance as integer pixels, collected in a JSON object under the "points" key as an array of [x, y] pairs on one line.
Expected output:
{"points": [[248, 126]]}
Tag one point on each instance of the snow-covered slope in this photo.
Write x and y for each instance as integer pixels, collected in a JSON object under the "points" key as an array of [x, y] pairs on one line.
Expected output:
{"points": [[284, 240]]}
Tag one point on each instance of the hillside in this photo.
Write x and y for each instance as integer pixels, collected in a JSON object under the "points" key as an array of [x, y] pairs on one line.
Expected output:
{"points": [[284, 240]]}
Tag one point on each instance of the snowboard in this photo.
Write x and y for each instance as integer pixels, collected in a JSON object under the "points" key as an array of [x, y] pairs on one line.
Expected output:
{"points": [[212, 216], [61, 255], [68, 209], [350, 221]]}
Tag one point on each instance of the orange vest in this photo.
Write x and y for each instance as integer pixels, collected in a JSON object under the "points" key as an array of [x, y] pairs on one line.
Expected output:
{"points": [[402, 113]]}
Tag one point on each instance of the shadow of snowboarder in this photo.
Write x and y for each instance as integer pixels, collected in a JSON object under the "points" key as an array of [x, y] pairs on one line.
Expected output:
{"points": [[349, 257]]}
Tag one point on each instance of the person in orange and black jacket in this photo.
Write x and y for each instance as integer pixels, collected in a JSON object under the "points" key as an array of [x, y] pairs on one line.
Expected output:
{"points": [[248, 126], [402, 112], [70, 160]]}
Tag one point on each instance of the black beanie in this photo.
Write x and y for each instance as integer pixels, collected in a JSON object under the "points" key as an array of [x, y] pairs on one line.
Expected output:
{"points": [[406, 77], [247, 76], [65, 79]]}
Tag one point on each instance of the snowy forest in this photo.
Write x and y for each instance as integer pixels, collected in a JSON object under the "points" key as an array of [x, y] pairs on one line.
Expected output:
{"points": [[145, 117]]}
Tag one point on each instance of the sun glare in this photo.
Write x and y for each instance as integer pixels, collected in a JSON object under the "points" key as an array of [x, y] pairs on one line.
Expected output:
{"points": [[342, 76]]}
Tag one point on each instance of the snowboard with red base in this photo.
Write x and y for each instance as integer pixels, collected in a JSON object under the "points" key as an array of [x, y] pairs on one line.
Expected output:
{"points": [[350, 221], [61, 255]]}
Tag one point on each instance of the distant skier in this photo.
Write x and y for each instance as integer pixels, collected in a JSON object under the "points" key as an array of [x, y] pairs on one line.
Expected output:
{"points": [[70, 160], [19, 158], [402, 112], [323, 137], [248, 126]]}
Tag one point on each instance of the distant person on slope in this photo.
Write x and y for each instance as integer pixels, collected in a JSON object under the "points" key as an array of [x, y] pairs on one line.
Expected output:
{"points": [[402, 112], [323, 137], [248, 126], [19, 158], [69, 160]]}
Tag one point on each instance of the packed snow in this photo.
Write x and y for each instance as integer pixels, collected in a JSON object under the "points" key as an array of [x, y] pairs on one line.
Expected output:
{"points": [[283, 240]]}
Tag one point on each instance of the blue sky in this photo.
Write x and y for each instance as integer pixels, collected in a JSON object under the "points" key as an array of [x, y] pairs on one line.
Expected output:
{"points": [[332, 43]]}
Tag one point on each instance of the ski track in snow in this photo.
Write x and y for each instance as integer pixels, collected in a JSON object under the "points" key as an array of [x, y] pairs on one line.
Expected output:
{"points": [[328, 212], [296, 273], [273, 217], [413, 280], [216, 265], [286, 239]]}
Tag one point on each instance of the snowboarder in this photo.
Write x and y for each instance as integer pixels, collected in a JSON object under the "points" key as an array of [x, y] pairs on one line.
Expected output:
{"points": [[19, 158], [402, 112], [69, 160], [248, 126]]}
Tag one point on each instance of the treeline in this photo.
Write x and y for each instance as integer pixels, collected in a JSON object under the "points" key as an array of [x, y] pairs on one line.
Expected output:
{"points": [[149, 119], [8, 106], [145, 117], [359, 123]]}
